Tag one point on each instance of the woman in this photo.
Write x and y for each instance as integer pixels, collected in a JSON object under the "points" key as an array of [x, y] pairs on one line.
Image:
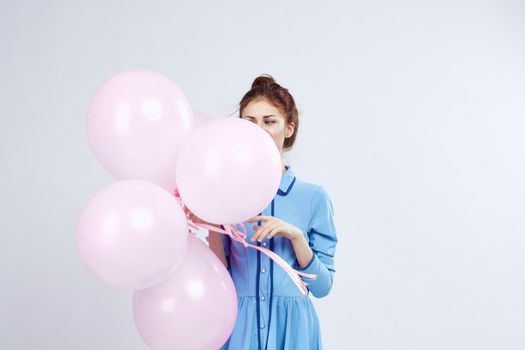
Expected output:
{"points": [[298, 225]]}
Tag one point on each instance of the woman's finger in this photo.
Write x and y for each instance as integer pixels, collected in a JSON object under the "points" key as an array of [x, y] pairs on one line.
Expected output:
{"points": [[265, 230], [273, 232], [260, 218]]}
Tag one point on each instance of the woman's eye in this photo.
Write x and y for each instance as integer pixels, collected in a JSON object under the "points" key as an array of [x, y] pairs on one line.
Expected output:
{"points": [[270, 122]]}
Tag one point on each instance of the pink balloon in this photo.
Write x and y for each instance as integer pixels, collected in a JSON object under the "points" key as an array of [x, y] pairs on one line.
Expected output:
{"points": [[132, 234], [136, 123], [228, 171], [195, 308], [201, 118]]}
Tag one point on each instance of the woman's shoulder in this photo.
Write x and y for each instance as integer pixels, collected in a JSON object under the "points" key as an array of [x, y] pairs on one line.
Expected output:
{"points": [[313, 190], [317, 203]]}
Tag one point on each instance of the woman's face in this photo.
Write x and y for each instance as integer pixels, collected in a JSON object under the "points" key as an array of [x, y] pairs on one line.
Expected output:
{"points": [[268, 117]]}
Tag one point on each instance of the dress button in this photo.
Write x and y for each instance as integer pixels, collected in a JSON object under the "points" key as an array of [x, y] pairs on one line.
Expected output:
{"points": [[263, 270], [263, 298], [264, 244], [262, 326]]}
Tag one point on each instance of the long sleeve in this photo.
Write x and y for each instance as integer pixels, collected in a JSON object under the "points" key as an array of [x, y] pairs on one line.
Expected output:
{"points": [[322, 240]]}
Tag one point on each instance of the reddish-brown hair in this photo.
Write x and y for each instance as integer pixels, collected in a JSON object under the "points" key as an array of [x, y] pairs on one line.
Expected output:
{"points": [[265, 87]]}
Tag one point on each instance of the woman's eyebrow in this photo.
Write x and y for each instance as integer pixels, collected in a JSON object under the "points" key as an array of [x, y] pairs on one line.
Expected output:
{"points": [[266, 116]]}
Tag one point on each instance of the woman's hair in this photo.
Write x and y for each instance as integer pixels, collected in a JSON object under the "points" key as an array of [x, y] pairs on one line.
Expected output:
{"points": [[265, 87]]}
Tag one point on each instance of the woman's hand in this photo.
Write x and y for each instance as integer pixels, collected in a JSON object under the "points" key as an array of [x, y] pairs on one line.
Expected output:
{"points": [[274, 227], [192, 217]]}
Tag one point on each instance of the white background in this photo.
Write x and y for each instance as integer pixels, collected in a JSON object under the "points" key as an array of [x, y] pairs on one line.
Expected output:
{"points": [[412, 117]]}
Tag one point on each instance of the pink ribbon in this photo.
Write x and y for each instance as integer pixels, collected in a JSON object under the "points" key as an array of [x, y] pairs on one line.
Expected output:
{"points": [[240, 236]]}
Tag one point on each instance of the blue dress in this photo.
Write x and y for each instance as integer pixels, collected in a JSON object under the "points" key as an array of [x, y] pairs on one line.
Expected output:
{"points": [[271, 313]]}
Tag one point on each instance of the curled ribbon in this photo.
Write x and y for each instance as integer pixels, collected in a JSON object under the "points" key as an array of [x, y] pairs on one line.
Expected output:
{"points": [[240, 236]]}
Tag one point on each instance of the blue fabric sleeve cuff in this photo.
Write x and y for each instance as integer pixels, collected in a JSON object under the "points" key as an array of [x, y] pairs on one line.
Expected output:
{"points": [[310, 264]]}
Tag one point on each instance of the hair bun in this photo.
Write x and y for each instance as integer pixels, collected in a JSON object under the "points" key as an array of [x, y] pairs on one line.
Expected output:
{"points": [[264, 81]]}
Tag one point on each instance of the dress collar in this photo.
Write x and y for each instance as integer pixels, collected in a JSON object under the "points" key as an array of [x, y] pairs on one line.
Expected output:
{"points": [[287, 181]]}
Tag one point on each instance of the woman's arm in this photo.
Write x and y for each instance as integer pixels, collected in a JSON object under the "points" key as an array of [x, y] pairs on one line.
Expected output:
{"points": [[322, 237], [215, 241], [302, 250], [217, 246]]}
